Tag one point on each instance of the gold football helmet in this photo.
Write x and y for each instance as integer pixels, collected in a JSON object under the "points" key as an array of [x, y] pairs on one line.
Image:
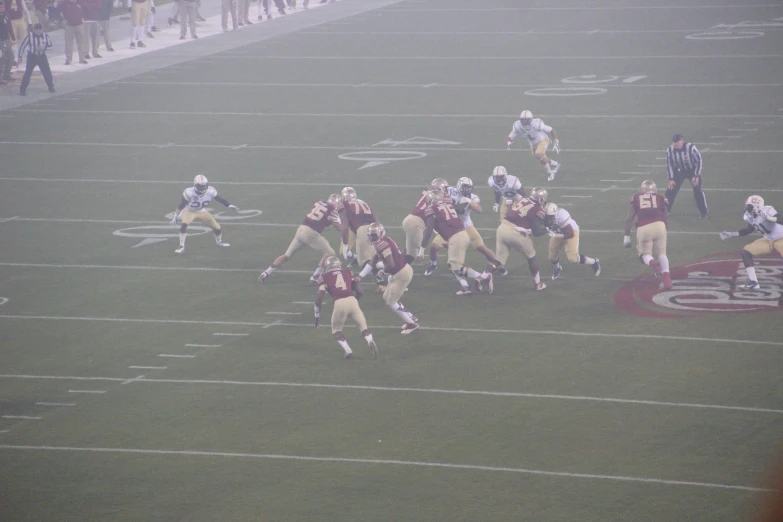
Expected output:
{"points": [[349, 194], [332, 263], [648, 187], [375, 232]]}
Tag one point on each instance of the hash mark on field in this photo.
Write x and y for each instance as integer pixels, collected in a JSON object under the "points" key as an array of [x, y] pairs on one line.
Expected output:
{"points": [[758, 123], [244, 145], [635, 172], [21, 417], [271, 324], [375, 462], [148, 367], [652, 166], [284, 313], [609, 188], [429, 85], [55, 404], [230, 334], [724, 137], [4, 431], [741, 130], [175, 355], [86, 391], [576, 196], [191, 345], [137, 378], [361, 85], [8, 219]]}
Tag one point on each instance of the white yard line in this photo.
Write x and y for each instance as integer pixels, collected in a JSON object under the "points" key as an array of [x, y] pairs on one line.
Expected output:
{"points": [[21, 417], [441, 85], [279, 321], [347, 57], [534, 34], [615, 181], [176, 356], [375, 462], [55, 404], [303, 302], [191, 345], [134, 379], [284, 313], [148, 367], [578, 195], [226, 334], [648, 7], [88, 391]]}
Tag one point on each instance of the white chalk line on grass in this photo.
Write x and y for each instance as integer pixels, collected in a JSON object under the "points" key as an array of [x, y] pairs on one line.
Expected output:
{"points": [[88, 391], [55, 404], [376, 327], [226, 334], [434, 391], [409, 463], [446, 85], [192, 345], [21, 417], [576, 8], [245, 57]]}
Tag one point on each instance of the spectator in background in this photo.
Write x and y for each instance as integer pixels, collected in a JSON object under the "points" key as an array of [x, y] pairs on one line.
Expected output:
{"points": [[104, 21], [74, 29], [138, 10], [228, 6], [243, 11], [149, 25], [6, 50], [278, 3], [187, 14], [92, 11], [34, 47], [41, 12], [17, 12]]}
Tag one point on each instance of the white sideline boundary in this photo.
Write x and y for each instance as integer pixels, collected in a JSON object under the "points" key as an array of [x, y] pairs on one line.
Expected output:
{"points": [[409, 463], [378, 327]]}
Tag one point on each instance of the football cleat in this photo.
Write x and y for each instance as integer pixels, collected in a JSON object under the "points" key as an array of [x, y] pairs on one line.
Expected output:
{"points": [[430, 269], [503, 271], [552, 172], [556, 271], [313, 279], [478, 285], [597, 267], [201, 183], [490, 283], [648, 187], [465, 290], [667, 281], [373, 349], [540, 286], [348, 354], [409, 328], [754, 205], [263, 277], [180, 250], [352, 262], [500, 176], [223, 244], [380, 277], [751, 285]]}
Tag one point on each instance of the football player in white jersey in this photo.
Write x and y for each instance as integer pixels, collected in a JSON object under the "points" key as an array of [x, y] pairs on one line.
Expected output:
{"points": [[193, 206], [564, 234], [464, 201], [537, 133], [764, 219], [507, 189]]}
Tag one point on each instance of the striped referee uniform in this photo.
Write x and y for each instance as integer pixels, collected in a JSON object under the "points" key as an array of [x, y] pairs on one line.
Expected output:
{"points": [[34, 47], [683, 161]]}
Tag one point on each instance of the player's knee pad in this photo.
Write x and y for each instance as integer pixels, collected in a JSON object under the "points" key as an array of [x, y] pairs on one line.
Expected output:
{"points": [[183, 228], [746, 255]]}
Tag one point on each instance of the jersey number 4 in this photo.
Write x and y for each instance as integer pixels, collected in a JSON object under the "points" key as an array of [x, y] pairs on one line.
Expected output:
{"points": [[339, 282]]}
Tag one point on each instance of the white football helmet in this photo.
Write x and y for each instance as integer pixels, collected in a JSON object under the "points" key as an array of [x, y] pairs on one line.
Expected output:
{"points": [[754, 205], [332, 263], [349, 194], [526, 119], [465, 186], [375, 232], [648, 187], [439, 184], [539, 195], [201, 183], [500, 176]]}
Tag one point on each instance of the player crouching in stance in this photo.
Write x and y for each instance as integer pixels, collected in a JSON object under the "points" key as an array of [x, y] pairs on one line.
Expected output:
{"points": [[564, 234], [464, 201], [359, 216], [445, 221], [537, 134], [400, 274], [196, 199], [507, 189], [414, 224], [651, 212], [525, 219], [338, 281], [309, 233], [763, 219]]}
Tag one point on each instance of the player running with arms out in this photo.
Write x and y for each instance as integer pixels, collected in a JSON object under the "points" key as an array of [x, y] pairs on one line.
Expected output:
{"points": [[507, 189], [339, 282], [765, 220], [564, 234], [414, 223], [650, 210], [193, 206], [525, 219], [464, 201], [310, 233], [445, 221], [388, 255], [360, 216], [537, 134]]}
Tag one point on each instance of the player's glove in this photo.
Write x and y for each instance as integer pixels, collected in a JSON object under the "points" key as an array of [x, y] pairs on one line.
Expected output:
{"points": [[555, 235], [508, 144], [345, 251], [627, 241], [317, 315], [495, 207], [523, 230], [420, 254], [175, 219], [234, 207], [556, 146], [726, 234]]}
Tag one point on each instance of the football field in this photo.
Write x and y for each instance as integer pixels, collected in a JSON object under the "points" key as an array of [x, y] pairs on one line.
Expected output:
{"points": [[138, 384]]}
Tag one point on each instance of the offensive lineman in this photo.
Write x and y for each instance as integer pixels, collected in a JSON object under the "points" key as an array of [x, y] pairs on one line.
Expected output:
{"points": [[507, 189], [652, 211], [196, 199], [564, 234], [525, 219], [537, 134], [414, 225], [344, 291], [309, 233], [763, 219], [360, 216]]}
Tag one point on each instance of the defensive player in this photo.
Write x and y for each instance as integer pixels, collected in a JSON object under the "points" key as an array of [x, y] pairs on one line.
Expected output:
{"points": [[564, 234], [507, 189], [537, 134], [525, 219], [651, 212], [464, 201], [400, 274], [309, 233], [763, 219], [360, 216], [339, 282], [193, 206], [445, 221], [414, 225]]}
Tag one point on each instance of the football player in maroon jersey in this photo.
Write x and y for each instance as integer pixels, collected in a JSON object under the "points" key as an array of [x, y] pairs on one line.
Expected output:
{"points": [[651, 211], [309, 233], [524, 220], [414, 223], [345, 292], [360, 216]]}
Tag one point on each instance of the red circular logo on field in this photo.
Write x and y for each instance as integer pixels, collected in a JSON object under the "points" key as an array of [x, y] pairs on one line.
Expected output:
{"points": [[709, 286]]}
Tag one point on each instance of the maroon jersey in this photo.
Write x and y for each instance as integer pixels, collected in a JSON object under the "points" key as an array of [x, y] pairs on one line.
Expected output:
{"points": [[387, 247], [447, 222], [359, 214], [524, 212], [422, 209], [337, 283], [320, 215], [649, 208]]}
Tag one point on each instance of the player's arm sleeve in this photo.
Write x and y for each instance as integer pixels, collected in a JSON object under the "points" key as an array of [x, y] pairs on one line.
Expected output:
{"points": [[221, 200], [772, 214], [513, 135], [629, 218], [182, 204], [546, 128], [696, 158], [745, 231]]}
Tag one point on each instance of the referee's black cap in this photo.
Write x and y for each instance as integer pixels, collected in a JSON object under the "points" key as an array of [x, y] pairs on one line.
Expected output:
{"points": [[677, 137]]}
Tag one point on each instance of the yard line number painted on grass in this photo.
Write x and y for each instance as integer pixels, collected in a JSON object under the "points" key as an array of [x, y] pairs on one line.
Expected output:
{"points": [[3, 300], [583, 85], [151, 234], [379, 156], [736, 31]]}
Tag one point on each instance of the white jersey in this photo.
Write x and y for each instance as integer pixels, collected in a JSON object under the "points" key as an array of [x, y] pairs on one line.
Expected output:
{"points": [[562, 220], [458, 199], [771, 230], [537, 132], [507, 191], [198, 202]]}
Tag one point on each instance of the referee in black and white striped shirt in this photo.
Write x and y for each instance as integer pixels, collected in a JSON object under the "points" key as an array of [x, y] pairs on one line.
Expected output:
{"points": [[683, 161], [34, 48]]}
